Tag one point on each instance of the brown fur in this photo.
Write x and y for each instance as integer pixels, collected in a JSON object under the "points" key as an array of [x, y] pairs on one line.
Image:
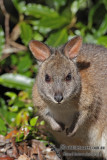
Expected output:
{"points": [[89, 101]]}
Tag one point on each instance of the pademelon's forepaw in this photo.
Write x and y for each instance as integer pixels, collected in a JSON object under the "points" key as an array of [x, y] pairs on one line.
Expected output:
{"points": [[59, 127]]}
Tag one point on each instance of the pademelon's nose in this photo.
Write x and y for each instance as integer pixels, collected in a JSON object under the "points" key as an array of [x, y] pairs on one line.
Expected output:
{"points": [[58, 97]]}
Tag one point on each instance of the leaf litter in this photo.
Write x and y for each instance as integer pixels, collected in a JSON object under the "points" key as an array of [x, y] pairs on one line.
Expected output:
{"points": [[25, 150]]}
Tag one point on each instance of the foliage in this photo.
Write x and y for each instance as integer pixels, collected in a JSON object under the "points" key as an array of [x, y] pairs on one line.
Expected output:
{"points": [[53, 22], [16, 81], [18, 113], [2, 40]]}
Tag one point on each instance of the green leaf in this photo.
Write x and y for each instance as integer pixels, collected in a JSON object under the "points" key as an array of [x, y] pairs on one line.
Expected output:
{"points": [[74, 7], [16, 81], [56, 3], [77, 5], [57, 38], [91, 14], [5, 114], [33, 121], [90, 39], [20, 136], [10, 117], [3, 129], [103, 27], [102, 41], [2, 104], [37, 36], [24, 64], [59, 3], [15, 2], [67, 13], [81, 29], [26, 33], [36, 27], [19, 118], [42, 123], [22, 118], [2, 40], [105, 3], [39, 11], [12, 95], [14, 59], [20, 6], [14, 108], [53, 23]]}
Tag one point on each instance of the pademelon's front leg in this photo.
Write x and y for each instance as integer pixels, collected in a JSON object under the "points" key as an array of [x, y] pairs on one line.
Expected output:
{"points": [[78, 120], [55, 126]]}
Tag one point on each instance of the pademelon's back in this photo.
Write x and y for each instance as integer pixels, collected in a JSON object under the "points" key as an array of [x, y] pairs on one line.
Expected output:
{"points": [[94, 61]]}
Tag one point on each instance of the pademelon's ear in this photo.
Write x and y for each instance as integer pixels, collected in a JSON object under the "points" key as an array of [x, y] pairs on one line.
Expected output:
{"points": [[73, 46], [40, 51]]}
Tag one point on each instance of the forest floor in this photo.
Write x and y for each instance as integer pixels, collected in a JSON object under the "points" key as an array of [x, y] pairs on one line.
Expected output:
{"points": [[26, 150]]}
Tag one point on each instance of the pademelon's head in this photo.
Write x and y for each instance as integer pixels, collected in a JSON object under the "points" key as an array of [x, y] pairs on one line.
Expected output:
{"points": [[58, 78]]}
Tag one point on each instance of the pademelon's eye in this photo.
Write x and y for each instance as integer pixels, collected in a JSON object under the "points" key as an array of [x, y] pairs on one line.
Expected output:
{"points": [[47, 78], [68, 77]]}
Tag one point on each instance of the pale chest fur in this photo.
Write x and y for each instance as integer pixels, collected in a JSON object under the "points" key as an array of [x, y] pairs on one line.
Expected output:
{"points": [[63, 113]]}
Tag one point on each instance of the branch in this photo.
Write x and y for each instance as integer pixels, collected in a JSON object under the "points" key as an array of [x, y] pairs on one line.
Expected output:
{"points": [[9, 50], [7, 18], [11, 46], [17, 45]]}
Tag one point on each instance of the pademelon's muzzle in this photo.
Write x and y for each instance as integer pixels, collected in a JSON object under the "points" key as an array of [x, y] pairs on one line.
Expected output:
{"points": [[58, 97]]}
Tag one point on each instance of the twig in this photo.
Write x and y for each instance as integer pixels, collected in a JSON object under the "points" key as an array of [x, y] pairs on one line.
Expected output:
{"points": [[7, 17], [73, 22], [11, 46], [15, 150], [17, 45], [15, 33], [10, 50]]}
